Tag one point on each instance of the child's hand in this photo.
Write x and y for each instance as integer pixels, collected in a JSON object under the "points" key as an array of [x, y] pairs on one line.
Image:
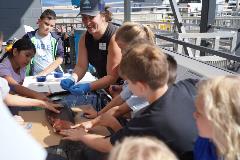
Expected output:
{"points": [[42, 96], [73, 134], [115, 90], [89, 112], [86, 125], [51, 106]]}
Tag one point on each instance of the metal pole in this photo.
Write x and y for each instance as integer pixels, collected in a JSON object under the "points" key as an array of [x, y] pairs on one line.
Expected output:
{"points": [[207, 18], [179, 23], [177, 16], [127, 11]]}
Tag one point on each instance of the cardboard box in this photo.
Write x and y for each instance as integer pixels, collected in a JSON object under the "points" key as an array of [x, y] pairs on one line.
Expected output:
{"points": [[42, 131]]}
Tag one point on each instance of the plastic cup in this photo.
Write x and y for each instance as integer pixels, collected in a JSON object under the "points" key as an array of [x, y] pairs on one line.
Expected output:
{"points": [[41, 78], [58, 74]]}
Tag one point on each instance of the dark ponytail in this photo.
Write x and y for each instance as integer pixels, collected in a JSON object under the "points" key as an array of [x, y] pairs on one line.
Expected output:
{"points": [[21, 44]]}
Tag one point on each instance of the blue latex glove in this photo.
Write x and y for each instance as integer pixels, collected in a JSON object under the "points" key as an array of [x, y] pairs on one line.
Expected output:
{"points": [[67, 83], [204, 149], [80, 89]]}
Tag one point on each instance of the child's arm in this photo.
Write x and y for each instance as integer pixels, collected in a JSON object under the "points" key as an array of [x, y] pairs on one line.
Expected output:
{"points": [[94, 141], [15, 100], [114, 102], [51, 67], [107, 119], [21, 90]]}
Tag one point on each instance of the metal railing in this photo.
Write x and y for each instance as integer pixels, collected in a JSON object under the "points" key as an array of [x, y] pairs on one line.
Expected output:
{"points": [[156, 22], [201, 48], [161, 20], [226, 60]]}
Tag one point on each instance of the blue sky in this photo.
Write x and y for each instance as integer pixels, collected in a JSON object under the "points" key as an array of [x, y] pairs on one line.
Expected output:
{"points": [[68, 2], [55, 2], [65, 2]]}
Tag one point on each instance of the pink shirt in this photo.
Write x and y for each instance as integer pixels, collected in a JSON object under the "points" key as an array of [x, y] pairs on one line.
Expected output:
{"points": [[7, 70]]}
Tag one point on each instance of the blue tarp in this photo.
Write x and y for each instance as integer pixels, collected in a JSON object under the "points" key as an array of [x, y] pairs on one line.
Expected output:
{"points": [[77, 36], [97, 99]]}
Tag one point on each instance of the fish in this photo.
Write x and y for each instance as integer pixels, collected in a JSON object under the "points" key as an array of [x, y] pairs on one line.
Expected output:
{"points": [[62, 120]]}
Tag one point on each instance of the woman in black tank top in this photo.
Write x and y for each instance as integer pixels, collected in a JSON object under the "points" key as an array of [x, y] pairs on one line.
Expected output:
{"points": [[98, 47]]}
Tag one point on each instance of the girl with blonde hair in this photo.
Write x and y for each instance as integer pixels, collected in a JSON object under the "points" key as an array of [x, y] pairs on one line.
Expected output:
{"points": [[141, 148], [218, 118], [130, 32], [126, 35]]}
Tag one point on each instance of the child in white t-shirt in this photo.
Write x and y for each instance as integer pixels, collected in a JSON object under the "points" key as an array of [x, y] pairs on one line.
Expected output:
{"points": [[15, 142], [15, 100]]}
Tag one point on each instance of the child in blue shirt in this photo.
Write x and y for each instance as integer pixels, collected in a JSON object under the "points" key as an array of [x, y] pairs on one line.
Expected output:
{"points": [[217, 118]]}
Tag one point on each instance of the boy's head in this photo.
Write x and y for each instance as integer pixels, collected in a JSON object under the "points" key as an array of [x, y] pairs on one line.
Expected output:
{"points": [[146, 64], [46, 22], [49, 14], [172, 69]]}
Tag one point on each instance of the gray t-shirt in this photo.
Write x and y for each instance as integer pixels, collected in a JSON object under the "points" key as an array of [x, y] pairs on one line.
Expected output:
{"points": [[134, 102], [43, 57]]}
